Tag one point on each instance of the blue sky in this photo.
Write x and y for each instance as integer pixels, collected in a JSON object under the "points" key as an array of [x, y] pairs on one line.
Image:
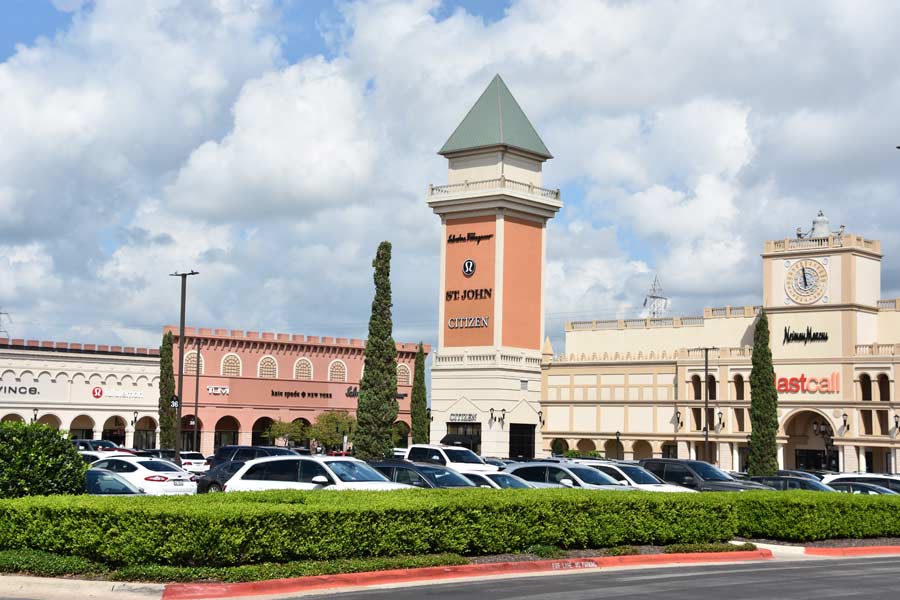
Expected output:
{"points": [[272, 144]]}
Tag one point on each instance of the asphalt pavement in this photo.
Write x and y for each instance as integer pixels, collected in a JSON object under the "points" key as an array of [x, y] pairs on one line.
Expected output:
{"points": [[858, 578]]}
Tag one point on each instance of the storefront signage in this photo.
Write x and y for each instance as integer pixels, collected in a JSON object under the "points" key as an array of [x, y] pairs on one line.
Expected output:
{"points": [[458, 238], [463, 418], [217, 390], [353, 392], [99, 392], [19, 390], [809, 385], [468, 322], [806, 337], [299, 394], [480, 294]]}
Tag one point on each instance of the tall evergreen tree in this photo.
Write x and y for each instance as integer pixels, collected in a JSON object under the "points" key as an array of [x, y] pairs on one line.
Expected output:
{"points": [[418, 408], [763, 459], [167, 414], [377, 403]]}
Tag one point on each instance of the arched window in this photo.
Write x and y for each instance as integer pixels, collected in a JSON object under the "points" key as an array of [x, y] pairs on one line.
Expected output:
{"points": [[402, 375], [268, 368], [695, 384], [337, 371], [190, 363], [231, 366], [884, 388], [711, 384], [303, 369], [865, 387], [738, 387]]}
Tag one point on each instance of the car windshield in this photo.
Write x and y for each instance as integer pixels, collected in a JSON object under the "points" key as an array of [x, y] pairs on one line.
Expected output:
{"points": [[593, 476], [351, 470], [816, 485], [192, 456], [100, 482], [280, 451], [709, 472], [640, 475], [103, 444], [463, 455], [507, 481], [158, 465], [445, 478]]}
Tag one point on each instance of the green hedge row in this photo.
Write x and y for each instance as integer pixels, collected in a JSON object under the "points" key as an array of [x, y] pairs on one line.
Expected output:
{"points": [[235, 529]]}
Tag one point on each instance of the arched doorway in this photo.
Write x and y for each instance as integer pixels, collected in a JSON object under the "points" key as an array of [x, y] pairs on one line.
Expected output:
{"points": [[400, 434], [642, 449], [50, 421], [260, 428], [82, 428], [114, 430], [559, 446], [188, 422], [586, 446], [145, 433], [810, 443], [226, 434], [614, 450], [12, 418]]}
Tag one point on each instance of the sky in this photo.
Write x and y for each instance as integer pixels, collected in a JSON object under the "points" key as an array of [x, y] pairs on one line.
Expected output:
{"points": [[271, 145]]}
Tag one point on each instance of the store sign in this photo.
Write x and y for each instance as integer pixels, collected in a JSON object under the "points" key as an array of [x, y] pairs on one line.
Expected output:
{"points": [[463, 418], [809, 385], [805, 337], [99, 392], [468, 322], [479, 294], [299, 394], [353, 392], [458, 238], [217, 390], [19, 390]]}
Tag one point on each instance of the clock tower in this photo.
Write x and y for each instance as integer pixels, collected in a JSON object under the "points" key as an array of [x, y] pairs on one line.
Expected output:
{"points": [[485, 378]]}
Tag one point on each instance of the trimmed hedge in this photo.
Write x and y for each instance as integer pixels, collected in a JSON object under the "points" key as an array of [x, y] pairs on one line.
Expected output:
{"points": [[218, 530], [235, 529], [36, 459]]}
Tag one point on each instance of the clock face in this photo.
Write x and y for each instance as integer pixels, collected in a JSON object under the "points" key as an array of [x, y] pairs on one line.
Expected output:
{"points": [[806, 281]]}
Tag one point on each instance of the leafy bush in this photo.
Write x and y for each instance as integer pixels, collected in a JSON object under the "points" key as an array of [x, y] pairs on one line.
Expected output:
{"points": [[544, 551], [621, 551], [689, 548], [44, 564], [37, 460]]}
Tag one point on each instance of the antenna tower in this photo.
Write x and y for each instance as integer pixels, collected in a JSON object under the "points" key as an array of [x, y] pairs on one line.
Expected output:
{"points": [[4, 334], [655, 303]]}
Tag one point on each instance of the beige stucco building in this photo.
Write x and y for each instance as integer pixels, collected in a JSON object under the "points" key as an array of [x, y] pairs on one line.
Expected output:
{"points": [[636, 388]]}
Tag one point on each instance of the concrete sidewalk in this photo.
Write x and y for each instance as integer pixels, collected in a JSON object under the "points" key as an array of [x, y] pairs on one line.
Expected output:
{"points": [[41, 588]]}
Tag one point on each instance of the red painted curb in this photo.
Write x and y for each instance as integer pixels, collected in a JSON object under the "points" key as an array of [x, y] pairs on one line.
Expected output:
{"points": [[852, 551], [194, 591]]}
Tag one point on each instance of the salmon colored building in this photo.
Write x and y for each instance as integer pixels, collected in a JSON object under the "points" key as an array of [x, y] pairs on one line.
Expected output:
{"points": [[250, 379]]}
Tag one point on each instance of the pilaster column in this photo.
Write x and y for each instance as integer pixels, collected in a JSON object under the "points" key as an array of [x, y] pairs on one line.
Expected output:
{"points": [[245, 438], [724, 452], [129, 437], [684, 450], [735, 456], [861, 459], [97, 435], [781, 456]]}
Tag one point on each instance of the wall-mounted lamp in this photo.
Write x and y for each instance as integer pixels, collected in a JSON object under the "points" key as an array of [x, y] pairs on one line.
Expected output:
{"points": [[844, 416], [678, 422], [897, 422], [428, 414], [35, 413], [815, 427], [721, 422], [498, 419], [134, 419], [541, 417]]}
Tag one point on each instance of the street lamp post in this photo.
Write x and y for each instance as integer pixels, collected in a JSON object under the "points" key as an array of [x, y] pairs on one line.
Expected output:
{"points": [[619, 445], [197, 398], [179, 396], [706, 350]]}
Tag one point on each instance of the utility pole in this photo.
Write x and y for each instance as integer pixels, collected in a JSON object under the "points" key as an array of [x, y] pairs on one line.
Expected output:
{"points": [[3, 332], [177, 400], [655, 301], [197, 398], [706, 452]]}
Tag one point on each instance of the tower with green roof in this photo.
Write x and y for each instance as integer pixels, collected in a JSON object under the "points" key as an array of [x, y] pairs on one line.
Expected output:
{"points": [[486, 373]]}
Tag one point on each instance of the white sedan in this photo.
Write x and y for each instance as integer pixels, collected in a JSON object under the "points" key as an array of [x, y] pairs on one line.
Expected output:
{"points": [[497, 481], [153, 475], [634, 476], [308, 473]]}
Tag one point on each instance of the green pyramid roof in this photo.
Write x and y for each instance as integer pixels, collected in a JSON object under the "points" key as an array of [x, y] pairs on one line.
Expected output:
{"points": [[496, 119]]}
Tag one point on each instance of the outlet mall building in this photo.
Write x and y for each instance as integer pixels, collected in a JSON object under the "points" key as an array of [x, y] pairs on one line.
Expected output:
{"points": [[635, 388]]}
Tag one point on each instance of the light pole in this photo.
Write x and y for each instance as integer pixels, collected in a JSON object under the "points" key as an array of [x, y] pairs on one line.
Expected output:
{"points": [[706, 350], [197, 398], [621, 453], [177, 399]]}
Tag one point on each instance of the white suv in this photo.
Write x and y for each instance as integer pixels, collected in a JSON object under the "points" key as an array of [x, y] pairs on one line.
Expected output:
{"points": [[308, 473], [461, 459]]}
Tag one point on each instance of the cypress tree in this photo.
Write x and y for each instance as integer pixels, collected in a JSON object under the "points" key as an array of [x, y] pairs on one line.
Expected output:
{"points": [[167, 414], [763, 458], [417, 408], [377, 403]]}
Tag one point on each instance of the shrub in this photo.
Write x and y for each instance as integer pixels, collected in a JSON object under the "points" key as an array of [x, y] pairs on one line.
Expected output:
{"points": [[38, 460], [44, 564], [689, 548], [621, 551]]}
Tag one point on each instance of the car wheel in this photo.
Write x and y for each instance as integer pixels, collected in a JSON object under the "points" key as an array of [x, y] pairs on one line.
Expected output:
{"points": [[213, 488]]}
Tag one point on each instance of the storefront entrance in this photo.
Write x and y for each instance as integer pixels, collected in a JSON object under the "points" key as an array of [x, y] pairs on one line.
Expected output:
{"points": [[467, 435], [521, 441]]}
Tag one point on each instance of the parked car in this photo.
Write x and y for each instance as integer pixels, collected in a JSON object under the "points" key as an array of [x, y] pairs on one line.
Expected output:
{"points": [[490, 460], [95, 445], [497, 481], [697, 475], [93, 456], [891, 482], [214, 479], [308, 473], [190, 461], [245, 453], [862, 488], [399, 452], [550, 475], [101, 482], [156, 476], [421, 475], [785, 483], [796, 473], [448, 456], [633, 475]]}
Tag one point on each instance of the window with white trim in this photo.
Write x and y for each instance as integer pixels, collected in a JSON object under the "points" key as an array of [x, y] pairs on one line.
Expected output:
{"points": [[303, 369], [268, 368], [337, 371], [231, 366], [402, 375], [190, 363]]}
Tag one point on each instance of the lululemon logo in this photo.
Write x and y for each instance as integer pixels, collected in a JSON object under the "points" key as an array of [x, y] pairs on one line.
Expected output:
{"points": [[468, 267], [97, 392]]}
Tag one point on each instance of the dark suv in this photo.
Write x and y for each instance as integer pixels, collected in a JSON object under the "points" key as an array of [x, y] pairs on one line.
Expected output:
{"points": [[785, 482], [245, 453], [697, 475], [421, 475]]}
